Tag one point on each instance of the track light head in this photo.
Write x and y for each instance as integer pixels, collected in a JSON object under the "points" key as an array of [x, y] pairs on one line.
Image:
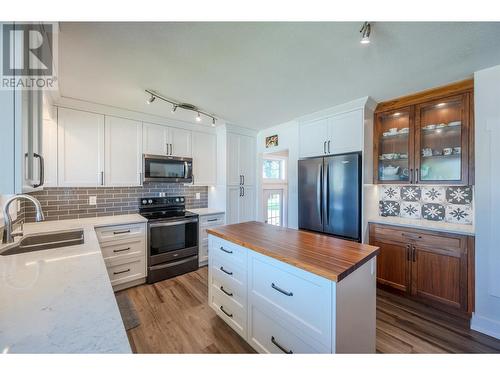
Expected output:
{"points": [[365, 33], [151, 99], [174, 108], [213, 121], [198, 117]]}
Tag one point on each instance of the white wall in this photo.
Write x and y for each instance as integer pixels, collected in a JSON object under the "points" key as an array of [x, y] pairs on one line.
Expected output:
{"points": [[288, 139], [486, 318]]}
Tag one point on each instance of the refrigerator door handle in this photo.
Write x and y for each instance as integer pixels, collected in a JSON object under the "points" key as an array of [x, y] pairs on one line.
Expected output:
{"points": [[319, 192], [327, 195]]}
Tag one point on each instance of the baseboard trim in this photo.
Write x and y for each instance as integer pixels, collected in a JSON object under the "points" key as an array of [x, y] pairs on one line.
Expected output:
{"points": [[485, 325]]}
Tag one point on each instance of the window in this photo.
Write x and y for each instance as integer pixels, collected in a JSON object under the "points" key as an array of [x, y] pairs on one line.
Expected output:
{"points": [[273, 169], [273, 206]]}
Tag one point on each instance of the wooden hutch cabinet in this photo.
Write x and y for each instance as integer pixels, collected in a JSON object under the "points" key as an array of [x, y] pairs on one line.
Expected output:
{"points": [[426, 138]]}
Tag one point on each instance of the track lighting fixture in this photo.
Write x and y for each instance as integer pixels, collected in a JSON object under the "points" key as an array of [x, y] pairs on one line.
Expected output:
{"points": [[151, 99], [186, 106], [365, 33]]}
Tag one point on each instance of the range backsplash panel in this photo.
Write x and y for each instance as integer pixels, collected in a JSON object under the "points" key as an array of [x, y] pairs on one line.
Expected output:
{"points": [[73, 203], [451, 204]]}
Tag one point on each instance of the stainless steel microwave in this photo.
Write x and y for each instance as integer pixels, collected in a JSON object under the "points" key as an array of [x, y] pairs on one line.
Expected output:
{"points": [[160, 168]]}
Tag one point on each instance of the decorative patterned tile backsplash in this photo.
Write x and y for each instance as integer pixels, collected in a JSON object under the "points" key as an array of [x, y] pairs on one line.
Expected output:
{"points": [[73, 203], [452, 204]]}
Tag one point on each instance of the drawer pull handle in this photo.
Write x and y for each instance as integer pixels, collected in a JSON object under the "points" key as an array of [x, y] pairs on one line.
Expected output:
{"points": [[225, 312], [280, 347], [274, 286], [120, 250], [223, 270], [210, 220], [225, 291], [119, 272], [411, 237], [122, 231], [226, 251]]}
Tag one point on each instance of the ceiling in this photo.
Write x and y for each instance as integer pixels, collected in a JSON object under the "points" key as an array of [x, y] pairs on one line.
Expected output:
{"points": [[261, 74]]}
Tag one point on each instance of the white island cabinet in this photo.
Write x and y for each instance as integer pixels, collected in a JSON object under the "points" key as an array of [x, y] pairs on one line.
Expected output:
{"points": [[278, 306]]}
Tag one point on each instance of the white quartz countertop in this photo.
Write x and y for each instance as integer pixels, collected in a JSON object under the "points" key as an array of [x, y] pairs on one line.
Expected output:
{"points": [[61, 300], [425, 224], [206, 211]]}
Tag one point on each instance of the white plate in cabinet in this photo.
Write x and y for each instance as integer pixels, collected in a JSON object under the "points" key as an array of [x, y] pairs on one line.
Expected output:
{"points": [[296, 298], [266, 335], [130, 270], [115, 251], [227, 250], [118, 232], [230, 312]]}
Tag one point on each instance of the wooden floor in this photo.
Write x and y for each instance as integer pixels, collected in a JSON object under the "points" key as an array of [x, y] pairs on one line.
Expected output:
{"points": [[175, 318]]}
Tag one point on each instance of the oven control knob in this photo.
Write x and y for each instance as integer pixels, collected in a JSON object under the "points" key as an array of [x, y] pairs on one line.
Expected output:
{"points": [[177, 199], [150, 201], [182, 199], [144, 201]]}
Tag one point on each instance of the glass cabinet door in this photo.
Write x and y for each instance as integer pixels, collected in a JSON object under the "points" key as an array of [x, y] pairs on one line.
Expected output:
{"points": [[393, 155], [441, 141]]}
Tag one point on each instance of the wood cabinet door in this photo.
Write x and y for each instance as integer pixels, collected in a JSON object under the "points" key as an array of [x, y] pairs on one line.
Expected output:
{"points": [[393, 267], [442, 141], [123, 152], [440, 276], [80, 148], [313, 138]]}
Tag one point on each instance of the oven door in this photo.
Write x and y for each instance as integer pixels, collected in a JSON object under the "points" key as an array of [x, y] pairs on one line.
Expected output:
{"points": [[172, 240], [158, 168]]}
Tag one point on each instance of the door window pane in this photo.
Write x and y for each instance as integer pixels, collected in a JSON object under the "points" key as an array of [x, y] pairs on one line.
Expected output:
{"points": [[274, 208], [273, 169]]}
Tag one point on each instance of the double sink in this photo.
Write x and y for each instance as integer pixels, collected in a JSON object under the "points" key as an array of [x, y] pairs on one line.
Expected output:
{"points": [[44, 241]]}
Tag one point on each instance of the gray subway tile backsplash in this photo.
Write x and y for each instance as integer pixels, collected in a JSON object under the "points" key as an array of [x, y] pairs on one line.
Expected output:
{"points": [[71, 203]]}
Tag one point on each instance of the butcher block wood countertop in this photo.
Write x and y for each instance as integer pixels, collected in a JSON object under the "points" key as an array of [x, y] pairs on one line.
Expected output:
{"points": [[322, 255]]}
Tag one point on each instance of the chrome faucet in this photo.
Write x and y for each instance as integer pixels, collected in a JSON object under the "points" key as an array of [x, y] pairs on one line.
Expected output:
{"points": [[8, 237]]}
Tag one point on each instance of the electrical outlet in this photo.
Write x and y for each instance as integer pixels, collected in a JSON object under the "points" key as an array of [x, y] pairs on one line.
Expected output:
{"points": [[197, 196], [162, 194], [93, 200]]}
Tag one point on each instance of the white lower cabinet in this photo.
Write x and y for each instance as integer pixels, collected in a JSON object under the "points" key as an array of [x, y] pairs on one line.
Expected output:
{"points": [[206, 222], [123, 248], [279, 308]]}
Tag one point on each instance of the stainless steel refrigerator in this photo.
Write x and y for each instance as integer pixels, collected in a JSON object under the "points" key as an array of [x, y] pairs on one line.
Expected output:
{"points": [[330, 195]]}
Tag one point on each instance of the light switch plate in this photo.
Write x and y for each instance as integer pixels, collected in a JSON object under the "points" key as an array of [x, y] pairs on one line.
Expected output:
{"points": [[93, 200], [198, 196]]}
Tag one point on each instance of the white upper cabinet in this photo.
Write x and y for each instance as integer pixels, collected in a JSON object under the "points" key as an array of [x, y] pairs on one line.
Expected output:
{"points": [[346, 132], [154, 139], [180, 142], [335, 134], [247, 160], [80, 148], [49, 151], [204, 159], [162, 140], [123, 152], [313, 138], [241, 157]]}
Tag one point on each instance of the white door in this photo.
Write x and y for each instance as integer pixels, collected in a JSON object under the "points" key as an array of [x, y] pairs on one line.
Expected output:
{"points": [[247, 204], [312, 138], [345, 132], [154, 139], [233, 204], [180, 142], [204, 159], [123, 152], [233, 159], [273, 206], [247, 159], [80, 148]]}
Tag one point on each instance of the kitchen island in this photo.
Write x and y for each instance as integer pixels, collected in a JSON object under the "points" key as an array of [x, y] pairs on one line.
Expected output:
{"points": [[290, 291]]}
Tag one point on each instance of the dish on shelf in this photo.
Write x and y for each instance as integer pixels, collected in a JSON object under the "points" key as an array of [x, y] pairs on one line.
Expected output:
{"points": [[455, 123], [441, 126], [404, 131], [389, 171], [430, 127]]}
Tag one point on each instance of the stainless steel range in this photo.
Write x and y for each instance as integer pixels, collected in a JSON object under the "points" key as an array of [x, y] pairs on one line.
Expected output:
{"points": [[172, 237]]}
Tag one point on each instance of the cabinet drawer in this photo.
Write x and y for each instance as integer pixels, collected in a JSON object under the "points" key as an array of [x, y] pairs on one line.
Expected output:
{"points": [[228, 251], [119, 232], [267, 335], [295, 296], [227, 270], [230, 312], [229, 288], [431, 240], [212, 220], [130, 270], [113, 252]]}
